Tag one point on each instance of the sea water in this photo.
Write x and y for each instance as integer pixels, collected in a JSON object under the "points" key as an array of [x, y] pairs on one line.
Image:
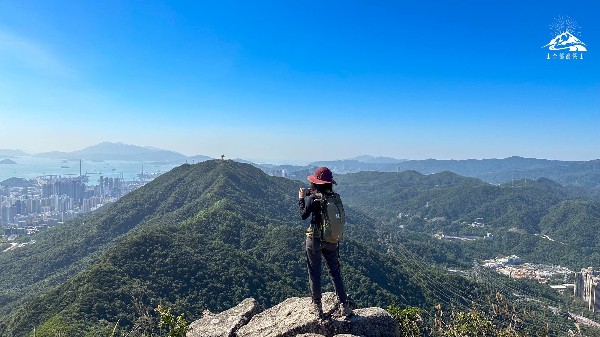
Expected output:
{"points": [[30, 167]]}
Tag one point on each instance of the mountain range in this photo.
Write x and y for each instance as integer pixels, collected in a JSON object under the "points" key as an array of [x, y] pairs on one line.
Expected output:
{"points": [[584, 174], [6, 153], [120, 151], [538, 220], [377, 160], [112, 151], [206, 236], [201, 236]]}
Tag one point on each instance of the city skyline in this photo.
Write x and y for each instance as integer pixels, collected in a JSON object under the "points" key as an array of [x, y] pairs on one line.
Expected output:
{"points": [[423, 80]]}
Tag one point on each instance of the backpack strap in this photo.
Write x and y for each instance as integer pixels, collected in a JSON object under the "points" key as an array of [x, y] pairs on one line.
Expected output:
{"points": [[318, 201]]}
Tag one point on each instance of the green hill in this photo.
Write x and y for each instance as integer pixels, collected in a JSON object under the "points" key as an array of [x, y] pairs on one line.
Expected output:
{"points": [[205, 236], [538, 220], [574, 173], [200, 237]]}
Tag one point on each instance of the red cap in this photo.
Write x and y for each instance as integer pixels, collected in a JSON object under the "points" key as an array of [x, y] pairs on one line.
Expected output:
{"points": [[322, 176]]}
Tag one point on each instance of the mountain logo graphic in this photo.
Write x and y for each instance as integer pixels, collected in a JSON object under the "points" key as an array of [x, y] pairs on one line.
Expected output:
{"points": [[566, 41]]}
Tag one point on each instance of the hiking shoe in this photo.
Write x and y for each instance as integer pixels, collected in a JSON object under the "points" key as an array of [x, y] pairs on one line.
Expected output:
{"points": [[346, 310], [316, 309]]}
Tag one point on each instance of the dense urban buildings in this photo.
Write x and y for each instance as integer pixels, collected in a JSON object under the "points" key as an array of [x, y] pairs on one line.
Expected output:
{"points": [[586, 288], [49, 200], [513, 267]]}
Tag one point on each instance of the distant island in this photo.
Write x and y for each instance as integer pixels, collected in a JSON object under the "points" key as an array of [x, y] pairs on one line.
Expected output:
{"points": [[8, 153], [7, 161], [120, 151]]}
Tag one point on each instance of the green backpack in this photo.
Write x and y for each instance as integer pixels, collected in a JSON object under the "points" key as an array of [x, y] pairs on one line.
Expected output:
{"points": [[333, 218]]}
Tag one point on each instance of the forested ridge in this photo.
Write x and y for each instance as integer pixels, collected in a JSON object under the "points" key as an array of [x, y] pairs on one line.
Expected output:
{"points": [[539, 220], [199, 237], [495, 171], [208, 235]]}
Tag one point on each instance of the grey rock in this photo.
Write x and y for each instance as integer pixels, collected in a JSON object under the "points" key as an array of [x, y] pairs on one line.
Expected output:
{"points": [[226, 323], [293, 317], [287, 319]]}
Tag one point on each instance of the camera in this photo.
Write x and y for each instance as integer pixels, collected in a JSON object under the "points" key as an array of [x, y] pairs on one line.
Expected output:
{"points": [[307, 191]]}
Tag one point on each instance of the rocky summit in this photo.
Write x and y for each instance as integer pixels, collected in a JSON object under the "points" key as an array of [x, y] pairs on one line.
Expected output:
{"points": [[293, 317]]}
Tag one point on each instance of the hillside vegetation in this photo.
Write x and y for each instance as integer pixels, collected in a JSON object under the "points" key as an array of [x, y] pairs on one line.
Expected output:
{"points": [[538, 220], [208, 235], [200, 237]]}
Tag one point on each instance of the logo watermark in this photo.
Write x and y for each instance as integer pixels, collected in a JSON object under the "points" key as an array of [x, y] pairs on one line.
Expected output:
{"points": [[565, 45]]}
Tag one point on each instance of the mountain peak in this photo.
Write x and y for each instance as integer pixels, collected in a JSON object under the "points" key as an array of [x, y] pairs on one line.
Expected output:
{"points": [[116, 148], [12, 153], [118, 151], [376, 160]]}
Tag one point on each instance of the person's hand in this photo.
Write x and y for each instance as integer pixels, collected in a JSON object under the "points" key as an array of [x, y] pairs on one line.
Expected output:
{"points": [[301, 193]]}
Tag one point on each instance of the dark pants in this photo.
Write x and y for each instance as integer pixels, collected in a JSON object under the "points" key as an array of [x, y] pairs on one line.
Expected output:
{"points": [[314, 249]]}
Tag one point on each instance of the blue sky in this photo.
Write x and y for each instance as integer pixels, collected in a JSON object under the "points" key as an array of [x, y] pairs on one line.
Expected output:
{"points": [[270, 80]]}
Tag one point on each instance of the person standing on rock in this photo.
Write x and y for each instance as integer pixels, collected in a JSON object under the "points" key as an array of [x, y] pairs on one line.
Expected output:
{"points": [[311, 204]]}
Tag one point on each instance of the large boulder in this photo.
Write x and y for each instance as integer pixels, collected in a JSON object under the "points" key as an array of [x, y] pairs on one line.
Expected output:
{"points": [[288, 318], [293, 317], [226, 323]]}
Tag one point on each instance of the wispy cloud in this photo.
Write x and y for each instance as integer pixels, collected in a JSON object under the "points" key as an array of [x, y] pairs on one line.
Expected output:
{"points": [[24, 52], [34, 79]]}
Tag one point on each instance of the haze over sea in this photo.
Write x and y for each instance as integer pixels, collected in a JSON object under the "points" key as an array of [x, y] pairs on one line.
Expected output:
{"points": [[30, 167]]}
